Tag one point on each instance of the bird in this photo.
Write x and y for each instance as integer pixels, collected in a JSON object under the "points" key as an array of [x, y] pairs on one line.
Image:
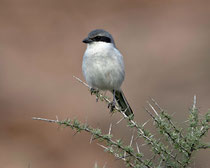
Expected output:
{"points": [[103, 68]]}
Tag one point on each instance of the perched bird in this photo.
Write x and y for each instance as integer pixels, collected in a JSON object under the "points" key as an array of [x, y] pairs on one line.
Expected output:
{"points": [[103, 67]]}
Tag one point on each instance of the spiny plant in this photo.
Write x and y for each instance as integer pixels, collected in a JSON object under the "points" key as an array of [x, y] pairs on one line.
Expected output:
{"points": [[174, 151]]}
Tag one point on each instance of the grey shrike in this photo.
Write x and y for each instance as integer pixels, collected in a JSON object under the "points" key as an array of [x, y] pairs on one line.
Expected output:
{"points": [[103, 67]]}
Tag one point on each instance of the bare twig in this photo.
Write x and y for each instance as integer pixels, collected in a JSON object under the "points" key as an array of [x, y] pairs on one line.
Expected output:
{"points": [[131, 140], [110, 128], [137, 147], [44, 119], [82, 82], [153, 109], [194, 102], [119, 120]]}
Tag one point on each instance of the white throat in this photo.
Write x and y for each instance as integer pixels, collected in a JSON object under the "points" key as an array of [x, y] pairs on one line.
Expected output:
{"points": [[99, 46]]}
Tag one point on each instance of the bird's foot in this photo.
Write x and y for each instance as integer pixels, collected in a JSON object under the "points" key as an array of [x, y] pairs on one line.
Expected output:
{"points": [[95, 92], [111, 105]]}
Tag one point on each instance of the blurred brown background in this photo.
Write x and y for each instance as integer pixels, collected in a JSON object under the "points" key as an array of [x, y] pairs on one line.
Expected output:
{"points": [[167, 56]]}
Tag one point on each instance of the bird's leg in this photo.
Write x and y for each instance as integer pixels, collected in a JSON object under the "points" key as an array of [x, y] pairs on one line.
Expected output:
{"points": [[94, 91], [112, 104]]}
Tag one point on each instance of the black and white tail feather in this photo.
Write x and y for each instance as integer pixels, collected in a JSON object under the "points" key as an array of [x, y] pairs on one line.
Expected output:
{"points": [[123, 103]]}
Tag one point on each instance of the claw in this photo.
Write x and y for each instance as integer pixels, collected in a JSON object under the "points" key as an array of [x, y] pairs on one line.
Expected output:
{"points": [[111, 105], [93, 91]]}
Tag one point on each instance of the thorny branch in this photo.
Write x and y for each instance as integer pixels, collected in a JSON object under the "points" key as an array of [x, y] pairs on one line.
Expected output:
{"points": [[185, 143]]}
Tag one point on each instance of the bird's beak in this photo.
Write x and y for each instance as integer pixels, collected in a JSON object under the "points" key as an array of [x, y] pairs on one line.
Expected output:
{"points": [[87, 40]]}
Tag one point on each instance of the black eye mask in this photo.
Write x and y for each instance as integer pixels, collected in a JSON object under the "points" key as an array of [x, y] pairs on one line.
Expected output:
{"points": [[101, 38]]}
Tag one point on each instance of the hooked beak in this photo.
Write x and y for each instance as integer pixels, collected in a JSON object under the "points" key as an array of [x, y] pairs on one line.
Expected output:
{"points": [[87, 40]]}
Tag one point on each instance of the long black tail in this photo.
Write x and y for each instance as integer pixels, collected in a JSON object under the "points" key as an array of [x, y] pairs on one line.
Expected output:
{"points": [[122, 102]]}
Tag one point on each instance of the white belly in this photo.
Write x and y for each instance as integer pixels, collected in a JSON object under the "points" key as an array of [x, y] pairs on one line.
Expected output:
{"points": [[103, 67]]}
